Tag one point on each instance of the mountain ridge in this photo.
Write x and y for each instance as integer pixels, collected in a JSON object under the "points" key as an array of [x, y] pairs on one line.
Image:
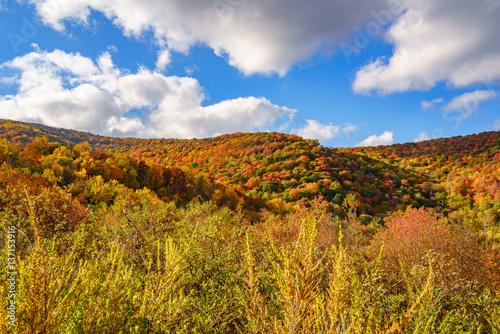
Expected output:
{"points": [[95, 138], [282, 170]]}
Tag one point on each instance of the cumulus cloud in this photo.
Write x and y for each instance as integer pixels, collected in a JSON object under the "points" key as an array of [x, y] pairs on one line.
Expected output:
{"points": [[468, 103], [452, 41], [323, 132], [238, 115], [163, 60], [421, 137], [71, 91], [259, 36], [428, 104], [384, 139]]}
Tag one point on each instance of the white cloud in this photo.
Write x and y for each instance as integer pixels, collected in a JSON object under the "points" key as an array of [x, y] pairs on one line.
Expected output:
{"points": [[323, 132], [384, 139], [452, 41], [35, 46], [468, 103], [428, 104], [421, 137], [7, 81], [191, 69], [496, 125], [348, 128], [71, 91], [124, 125], [238, 115], [319, 131], [112, 48], [434, 40], [164, 58], [258, 36]]}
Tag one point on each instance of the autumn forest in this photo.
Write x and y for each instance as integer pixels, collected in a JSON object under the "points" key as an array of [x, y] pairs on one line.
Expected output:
{"points": [[248, 233]]}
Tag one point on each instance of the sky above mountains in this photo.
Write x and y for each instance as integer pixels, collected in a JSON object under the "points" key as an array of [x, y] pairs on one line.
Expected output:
{"points": [[364, 72]]}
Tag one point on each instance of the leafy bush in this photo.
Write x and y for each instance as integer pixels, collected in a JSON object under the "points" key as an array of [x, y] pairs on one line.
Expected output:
{"points": [[461, 263]]}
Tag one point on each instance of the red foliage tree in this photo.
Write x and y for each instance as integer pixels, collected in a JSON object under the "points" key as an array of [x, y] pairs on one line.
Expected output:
{"points": [[461, 262]]}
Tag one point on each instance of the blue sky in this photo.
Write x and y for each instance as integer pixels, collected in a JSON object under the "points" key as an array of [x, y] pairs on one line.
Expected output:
{"points": [[345, 73]]}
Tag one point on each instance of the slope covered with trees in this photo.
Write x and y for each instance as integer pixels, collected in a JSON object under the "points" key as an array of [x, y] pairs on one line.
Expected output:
{"points": [[459, 176], [251, 233]]}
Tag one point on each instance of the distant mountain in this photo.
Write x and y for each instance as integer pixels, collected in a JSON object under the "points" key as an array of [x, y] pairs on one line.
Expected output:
{"points": [[457, 176]]}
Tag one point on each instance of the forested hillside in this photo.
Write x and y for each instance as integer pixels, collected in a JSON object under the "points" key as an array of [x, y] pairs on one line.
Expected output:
{"points": [[251, 233], [459, 176]]}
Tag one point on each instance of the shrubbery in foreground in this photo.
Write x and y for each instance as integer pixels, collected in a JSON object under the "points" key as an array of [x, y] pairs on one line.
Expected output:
{"points": [[145, 266]]}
